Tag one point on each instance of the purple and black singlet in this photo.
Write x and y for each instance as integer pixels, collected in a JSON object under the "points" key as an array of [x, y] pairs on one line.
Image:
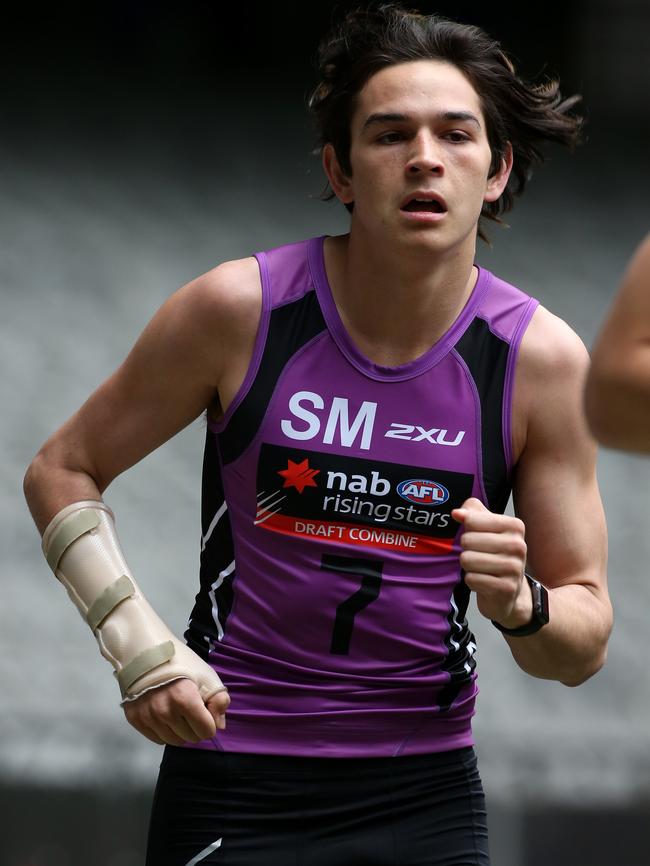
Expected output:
{"points": [[331, 599]]}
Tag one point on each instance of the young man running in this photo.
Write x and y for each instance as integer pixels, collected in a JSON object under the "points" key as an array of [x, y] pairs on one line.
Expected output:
{"points": [[372, 401]]}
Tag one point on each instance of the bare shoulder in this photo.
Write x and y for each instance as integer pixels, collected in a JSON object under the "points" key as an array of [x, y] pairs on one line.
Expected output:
{"points": [[551, 370], [551, 347], [229, 293], [221, 312], [215, 317], [202, 337]]}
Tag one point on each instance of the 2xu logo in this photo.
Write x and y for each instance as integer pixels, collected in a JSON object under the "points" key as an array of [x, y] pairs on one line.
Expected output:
{"points": [[305, 407], [423, 492]]}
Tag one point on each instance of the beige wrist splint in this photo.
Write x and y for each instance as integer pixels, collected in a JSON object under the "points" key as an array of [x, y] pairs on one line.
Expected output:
{"points": [[83, 551]]}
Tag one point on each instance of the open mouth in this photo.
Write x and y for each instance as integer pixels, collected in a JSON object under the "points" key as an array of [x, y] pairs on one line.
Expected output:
{"points": [[421, 205]]}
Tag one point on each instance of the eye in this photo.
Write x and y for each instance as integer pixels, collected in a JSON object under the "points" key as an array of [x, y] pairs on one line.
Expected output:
{"points": [[389, 137], [456, 136]]}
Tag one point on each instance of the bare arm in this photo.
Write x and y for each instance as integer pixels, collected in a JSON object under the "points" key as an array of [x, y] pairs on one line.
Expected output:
{"points": [[617, 395], [192, 356], [560, 527]]}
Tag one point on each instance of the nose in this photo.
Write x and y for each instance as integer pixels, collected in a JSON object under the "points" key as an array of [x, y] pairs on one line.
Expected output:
{"points": [[426, 156]]}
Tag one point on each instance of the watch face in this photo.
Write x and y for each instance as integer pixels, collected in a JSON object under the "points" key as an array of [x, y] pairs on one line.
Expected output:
{"points": [[540, 600]]}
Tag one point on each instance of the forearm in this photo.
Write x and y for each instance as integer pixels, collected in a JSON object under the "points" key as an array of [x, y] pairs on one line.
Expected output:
{"points": [[572, 647], [82, 549]]}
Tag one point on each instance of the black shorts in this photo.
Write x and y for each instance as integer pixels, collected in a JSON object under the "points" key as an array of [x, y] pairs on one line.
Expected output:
{"points": [[232, 809]]}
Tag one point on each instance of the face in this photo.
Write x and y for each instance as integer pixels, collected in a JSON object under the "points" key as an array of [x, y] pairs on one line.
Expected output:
{"points": [[420, 158]]}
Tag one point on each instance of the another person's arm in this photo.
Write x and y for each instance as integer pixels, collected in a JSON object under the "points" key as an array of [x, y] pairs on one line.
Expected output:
{"points": [[559, 534], [617, 395], [192, 356]]}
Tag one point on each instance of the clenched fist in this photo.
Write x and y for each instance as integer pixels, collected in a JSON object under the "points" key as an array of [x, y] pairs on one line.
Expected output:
{"points": [[175, 713], [494, 558]]}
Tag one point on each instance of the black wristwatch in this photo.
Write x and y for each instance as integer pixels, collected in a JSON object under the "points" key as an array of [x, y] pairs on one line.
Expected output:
{"points": [[540, 611]]}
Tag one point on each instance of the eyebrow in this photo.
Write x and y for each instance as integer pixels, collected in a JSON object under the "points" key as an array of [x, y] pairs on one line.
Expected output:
{"points": [[395, 117]]}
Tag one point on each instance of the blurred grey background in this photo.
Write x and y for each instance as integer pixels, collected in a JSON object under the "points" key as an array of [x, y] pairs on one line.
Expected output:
{"points": [[141, 143]]}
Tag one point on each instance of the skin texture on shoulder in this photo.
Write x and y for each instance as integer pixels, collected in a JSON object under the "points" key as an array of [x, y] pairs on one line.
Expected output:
{"points": [[617, 395], [191, 357]]}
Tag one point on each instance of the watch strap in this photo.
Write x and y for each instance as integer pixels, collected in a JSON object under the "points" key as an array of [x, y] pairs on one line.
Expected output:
{"points": [[539, 616]]}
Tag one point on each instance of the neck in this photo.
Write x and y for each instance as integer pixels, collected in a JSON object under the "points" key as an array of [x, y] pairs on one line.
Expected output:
{"points": [[396, 304]]}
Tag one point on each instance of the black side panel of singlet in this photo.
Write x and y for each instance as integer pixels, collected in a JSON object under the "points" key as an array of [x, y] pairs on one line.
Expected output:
{"points": [[217, 554], [290, 328], [486, 356], [461, 644]]}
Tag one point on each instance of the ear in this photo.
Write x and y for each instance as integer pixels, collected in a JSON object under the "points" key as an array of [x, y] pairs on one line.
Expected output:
{"points": [[339, 181], [497, 182]]}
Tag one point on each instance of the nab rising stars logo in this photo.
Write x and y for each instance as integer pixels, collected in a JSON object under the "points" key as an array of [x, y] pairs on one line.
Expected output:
{"points": [[421, 491], [341, 499]]}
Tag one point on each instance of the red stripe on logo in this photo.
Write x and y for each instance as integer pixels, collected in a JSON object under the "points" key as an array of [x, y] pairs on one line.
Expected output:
{"points": [[357, 534]]}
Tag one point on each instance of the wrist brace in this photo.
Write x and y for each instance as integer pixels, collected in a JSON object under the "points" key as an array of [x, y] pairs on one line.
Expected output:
{"points": [[83, 551]]}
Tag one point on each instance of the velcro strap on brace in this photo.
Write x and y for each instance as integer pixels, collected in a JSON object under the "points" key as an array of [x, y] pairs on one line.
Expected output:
{"points": [[71, 528], [144, 663], [117, 592]]}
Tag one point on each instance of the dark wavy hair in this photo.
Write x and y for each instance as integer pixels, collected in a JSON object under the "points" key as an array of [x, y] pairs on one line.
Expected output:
{"points": [[369, 38]]}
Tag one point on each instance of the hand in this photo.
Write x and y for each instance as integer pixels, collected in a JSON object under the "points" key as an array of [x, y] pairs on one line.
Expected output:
{"points": [[175, 714], [493, 558]]}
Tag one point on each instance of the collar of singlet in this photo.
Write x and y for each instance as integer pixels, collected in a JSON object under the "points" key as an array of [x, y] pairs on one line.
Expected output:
{"points": [[344, 342]]}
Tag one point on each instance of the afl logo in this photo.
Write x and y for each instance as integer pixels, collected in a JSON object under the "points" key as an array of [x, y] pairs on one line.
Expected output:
{"points": [[423, 492]]}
